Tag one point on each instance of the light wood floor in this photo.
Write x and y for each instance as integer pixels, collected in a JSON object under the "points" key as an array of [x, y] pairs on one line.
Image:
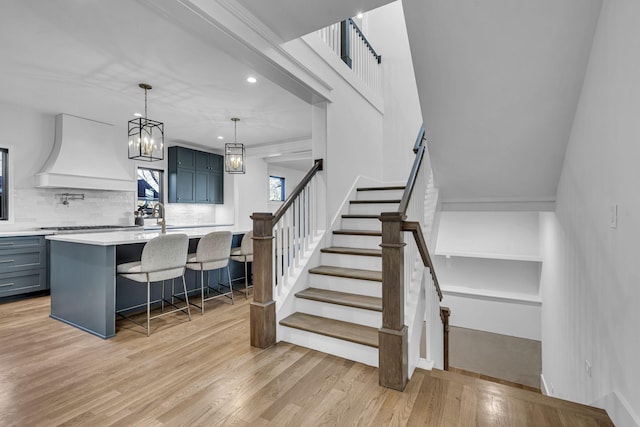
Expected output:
{"points": [[204, 373]]}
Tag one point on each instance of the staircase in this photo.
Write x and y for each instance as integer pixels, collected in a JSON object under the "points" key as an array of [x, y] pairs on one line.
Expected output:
{"points": [[340, 310]]}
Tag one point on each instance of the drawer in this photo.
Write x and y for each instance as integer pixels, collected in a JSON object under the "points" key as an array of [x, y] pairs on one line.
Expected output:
{"points": [[8, 243], [22, 259], [22, 283]]}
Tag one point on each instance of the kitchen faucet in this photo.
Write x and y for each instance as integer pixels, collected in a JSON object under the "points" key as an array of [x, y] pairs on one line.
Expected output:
{"points": [[163, 221]]}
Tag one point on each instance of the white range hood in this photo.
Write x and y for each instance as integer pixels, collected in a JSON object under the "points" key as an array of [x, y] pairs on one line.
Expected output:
{"points": [[88, 155]]}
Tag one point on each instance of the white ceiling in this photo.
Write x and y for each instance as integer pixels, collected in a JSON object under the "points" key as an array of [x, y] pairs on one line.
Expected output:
{"points": [[86, 58], [499, 82], [290, 19]]}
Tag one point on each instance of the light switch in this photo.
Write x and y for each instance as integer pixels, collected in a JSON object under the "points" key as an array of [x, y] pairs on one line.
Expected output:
{"points": [[613, 216]]}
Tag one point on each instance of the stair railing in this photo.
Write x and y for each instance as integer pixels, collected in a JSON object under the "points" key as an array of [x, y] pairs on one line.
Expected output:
{"points": [[399, 263], [279, 242], [348, 41]]}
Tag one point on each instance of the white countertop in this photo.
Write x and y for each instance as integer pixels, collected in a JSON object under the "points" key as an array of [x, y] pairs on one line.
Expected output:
{"points": [[127, 237], [33, 232]]}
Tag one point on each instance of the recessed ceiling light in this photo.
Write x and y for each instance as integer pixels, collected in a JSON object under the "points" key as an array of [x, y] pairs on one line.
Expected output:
{"points": [[220, 137], [251, 79], [137, 114], [359, 15]]}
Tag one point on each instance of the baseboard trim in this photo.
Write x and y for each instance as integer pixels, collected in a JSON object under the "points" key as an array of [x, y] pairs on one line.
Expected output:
{"points": [[425, 364], [544, 388], [618, 409]]}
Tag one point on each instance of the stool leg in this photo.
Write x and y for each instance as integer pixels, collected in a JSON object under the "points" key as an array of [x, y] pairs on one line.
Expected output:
{"points": [[148, 306], [186, 297], [202, 289], [246, 282], [162, 301], [230, 284]]}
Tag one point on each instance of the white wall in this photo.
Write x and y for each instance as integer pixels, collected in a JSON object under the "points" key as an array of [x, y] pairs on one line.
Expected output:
{"points": [[508, 233], [387, 32], [516, 319], [492, 276], [354, 143], [251, 192], [591, 274]]}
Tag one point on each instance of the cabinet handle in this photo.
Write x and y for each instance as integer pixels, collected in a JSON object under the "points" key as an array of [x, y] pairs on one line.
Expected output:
{"points": [[6, 261], [6, 244], [7, 284]]}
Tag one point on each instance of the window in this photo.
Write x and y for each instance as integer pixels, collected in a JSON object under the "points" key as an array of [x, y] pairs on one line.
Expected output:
{"points": [[276, 189], [149, 190], [4, 188]]}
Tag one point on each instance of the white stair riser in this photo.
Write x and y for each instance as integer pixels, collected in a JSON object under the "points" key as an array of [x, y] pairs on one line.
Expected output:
{"points": [[352, 261], [345, 349], [339, 312], [345, 284], [354, 241], [361, 224], [379, 195], [372, 208]]}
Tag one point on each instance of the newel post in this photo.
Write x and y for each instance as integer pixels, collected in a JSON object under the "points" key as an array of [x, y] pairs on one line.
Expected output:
{"points": [[263, 308], [445, 312], [392, 337]]}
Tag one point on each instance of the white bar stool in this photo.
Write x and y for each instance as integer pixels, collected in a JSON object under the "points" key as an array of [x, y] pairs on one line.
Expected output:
{"points": [[163, 258], [244, 254], [212, 253]]}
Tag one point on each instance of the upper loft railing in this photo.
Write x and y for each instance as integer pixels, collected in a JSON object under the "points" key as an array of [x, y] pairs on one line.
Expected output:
{"points": [[280, 240], [350, 44], [399, 284]]}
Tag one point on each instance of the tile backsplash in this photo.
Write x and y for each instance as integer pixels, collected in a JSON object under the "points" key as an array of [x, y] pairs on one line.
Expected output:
{"points": [[43, 207], [189, 214]]}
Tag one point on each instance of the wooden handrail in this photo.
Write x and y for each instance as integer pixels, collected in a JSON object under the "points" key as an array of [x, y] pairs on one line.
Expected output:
{"points": [[411, 182], [364, 39], [416, 229], [317, 166], [419, 139]]}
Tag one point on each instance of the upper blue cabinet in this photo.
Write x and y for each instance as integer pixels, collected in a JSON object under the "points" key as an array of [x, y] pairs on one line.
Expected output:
{"points": [[195, 176]]}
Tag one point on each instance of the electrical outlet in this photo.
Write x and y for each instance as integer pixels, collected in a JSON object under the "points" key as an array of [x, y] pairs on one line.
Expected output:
{"points": [[587, 367], [613, 216]]}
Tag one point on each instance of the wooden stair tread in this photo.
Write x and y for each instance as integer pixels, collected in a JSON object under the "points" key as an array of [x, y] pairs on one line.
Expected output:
{"points": [[360, 334], [351, 273], [393, 187], [358, 232], [352, 251], [361, 216], [342, 298], [373, 202]]}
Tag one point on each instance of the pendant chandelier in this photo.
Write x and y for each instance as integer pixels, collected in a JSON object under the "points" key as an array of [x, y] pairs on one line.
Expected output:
{"points": [[234, 153], [146, 136]]}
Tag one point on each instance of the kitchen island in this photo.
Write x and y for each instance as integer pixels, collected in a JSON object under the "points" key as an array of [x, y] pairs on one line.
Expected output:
{"points": [[85, 290]]}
